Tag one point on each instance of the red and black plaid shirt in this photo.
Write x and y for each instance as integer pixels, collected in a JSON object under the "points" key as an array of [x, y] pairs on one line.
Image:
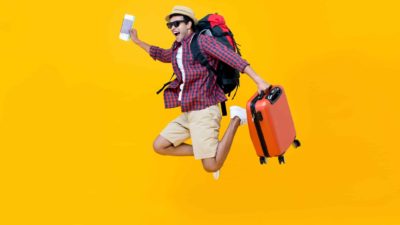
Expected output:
{"points": [[195, 94]]}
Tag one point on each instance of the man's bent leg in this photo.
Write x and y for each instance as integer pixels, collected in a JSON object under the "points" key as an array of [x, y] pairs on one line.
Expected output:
{"points": [[170, 141], [238, 117], [215, 163], [164, 147]]}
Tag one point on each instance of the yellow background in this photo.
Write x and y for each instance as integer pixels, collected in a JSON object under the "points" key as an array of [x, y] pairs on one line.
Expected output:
{"points": [[78, 114]]}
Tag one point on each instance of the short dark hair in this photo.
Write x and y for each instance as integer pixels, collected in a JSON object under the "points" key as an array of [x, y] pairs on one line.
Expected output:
{"points": [[186, 19]]}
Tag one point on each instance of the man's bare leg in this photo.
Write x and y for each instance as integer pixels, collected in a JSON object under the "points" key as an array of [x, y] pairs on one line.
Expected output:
{"points": [[163, 147], [215, 163]]}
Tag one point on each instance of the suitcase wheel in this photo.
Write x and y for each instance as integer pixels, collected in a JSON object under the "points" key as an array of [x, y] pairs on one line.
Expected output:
{"points": [[281, 159], [263, 160], [296, 143]]}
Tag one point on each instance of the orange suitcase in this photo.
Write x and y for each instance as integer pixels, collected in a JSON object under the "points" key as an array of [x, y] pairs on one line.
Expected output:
{"points": [[270, 124]]}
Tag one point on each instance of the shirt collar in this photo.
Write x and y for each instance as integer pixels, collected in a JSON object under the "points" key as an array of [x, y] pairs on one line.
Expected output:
{"points": [[184, 40], [187, 38]]}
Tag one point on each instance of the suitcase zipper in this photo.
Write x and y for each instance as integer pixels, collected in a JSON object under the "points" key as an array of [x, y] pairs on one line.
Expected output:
{"points": [[257, 124]]}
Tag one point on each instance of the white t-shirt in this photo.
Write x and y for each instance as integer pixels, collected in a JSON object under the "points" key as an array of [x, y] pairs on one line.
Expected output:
{"points": [[180, 65]]}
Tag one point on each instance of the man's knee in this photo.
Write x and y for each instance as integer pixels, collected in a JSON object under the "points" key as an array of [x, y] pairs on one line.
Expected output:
{"points": [[158, 148], [210, 165], [160, 145]]}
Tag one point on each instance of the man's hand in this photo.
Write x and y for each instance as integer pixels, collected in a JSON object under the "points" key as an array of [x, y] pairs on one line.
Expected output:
{"points": [[134, 36], [262, 86], [136, 40]]}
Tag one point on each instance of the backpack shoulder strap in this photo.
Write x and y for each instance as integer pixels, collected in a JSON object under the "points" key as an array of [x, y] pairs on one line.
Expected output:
{"points": [[194, 45], [195, 49], [196, 53]]}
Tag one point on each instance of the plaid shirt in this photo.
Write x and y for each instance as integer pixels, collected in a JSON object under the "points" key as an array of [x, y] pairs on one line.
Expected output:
{"points": [[195, 94]]}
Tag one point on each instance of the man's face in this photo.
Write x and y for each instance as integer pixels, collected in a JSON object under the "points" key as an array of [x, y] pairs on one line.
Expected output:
{"points": [[178, 27]]}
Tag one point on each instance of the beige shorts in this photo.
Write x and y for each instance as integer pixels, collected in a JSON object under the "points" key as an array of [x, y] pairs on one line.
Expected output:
{"points": [[200, 125]]}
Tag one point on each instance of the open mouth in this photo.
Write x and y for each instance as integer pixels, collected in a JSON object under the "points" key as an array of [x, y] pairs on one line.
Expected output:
{"points": [[176, 33]]}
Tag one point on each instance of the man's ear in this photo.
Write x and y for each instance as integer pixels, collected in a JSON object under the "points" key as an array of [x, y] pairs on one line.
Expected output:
{"points": [[191, 25]]}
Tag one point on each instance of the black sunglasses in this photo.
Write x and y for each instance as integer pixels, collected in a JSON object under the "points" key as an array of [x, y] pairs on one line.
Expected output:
{"points": [[175, 23]]}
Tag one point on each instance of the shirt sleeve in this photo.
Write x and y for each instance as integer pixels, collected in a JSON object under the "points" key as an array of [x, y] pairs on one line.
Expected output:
{"points": [[214, 48], [163, 55]]}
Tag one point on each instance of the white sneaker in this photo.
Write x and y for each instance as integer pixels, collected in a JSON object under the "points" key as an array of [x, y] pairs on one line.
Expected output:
{"points": [[216, 175], [239, 112]]}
